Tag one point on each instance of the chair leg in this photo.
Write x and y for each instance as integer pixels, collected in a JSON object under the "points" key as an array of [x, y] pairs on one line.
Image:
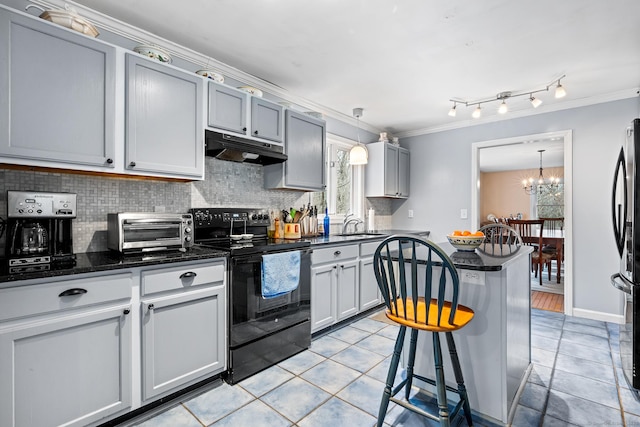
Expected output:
{"points": [[393, 368], [411, 362], [441, 390], [457, 371], [549, 269]]}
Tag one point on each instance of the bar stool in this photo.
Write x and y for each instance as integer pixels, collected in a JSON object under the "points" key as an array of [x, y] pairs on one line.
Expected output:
{"points": [[405, 268]]}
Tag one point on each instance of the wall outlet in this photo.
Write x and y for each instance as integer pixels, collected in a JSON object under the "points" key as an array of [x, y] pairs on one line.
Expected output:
{"points": [[472, 277], [463, 214], [410, 213]]}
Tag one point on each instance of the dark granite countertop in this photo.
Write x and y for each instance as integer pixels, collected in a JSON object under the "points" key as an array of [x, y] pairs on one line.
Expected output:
{"points": [[483, 260], [358, 238], [103, 261]]}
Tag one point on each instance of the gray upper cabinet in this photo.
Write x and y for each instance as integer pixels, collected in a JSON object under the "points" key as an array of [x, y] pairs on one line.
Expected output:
{"points": [[163, 125], [387, 173], [58, 90], [305, 141], [227, 108], [266, 120]]}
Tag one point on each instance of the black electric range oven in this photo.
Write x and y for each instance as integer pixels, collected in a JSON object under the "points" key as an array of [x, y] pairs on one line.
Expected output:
{"points": [[262, 331]]}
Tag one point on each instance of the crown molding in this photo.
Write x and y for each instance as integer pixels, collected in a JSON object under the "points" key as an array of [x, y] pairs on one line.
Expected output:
{"points": [[138, 35], [582, 102]]}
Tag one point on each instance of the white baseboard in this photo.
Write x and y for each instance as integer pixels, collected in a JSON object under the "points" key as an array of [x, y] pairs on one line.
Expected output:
{"points": [[598, 315]]}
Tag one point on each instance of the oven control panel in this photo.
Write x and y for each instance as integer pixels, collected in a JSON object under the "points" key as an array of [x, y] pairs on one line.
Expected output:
{"points": [[222, 217]]}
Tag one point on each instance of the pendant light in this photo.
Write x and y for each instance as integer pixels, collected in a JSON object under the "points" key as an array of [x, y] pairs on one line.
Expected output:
{"points": [[358, 154]]}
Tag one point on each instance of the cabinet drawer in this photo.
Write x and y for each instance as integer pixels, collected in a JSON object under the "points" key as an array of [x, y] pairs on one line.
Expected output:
{"points": [[367, 249], [47, 297], [334, 253], [182, 277]]}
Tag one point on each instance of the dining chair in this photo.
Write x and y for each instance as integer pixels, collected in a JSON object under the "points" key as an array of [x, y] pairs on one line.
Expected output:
{"points": [[530, 230], [413, 276], [499, 240], [557, 225]]}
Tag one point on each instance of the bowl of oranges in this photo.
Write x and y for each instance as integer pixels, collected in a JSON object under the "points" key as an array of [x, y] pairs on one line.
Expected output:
{"points": [[466, 241]]}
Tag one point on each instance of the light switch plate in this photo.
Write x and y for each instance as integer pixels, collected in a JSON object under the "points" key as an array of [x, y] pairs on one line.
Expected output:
{"points": [[463, 214], [410, 213]]}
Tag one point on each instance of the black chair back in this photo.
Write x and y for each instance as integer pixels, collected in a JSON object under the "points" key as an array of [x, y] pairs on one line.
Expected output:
{"points": [[407, 267]]}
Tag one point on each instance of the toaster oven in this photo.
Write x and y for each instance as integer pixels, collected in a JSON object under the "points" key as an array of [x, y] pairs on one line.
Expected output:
{"points": [[149, 231]]}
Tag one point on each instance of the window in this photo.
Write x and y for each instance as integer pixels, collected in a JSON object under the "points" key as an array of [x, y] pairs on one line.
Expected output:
{"points": [[345, 184], [550, 204]]}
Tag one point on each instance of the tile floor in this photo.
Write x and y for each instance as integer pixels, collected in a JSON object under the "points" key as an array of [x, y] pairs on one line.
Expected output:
{"points": [[576, 380]]}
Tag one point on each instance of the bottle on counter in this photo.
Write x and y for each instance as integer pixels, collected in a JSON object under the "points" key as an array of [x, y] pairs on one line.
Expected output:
{"points": [[326, 222], [276, 231]]}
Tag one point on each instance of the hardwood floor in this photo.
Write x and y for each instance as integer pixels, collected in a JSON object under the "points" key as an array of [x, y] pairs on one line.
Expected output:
{"points": [[547, 301]]}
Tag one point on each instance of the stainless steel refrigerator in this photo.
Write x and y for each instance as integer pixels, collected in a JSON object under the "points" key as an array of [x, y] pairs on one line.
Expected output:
{"points": [[625, 209]]}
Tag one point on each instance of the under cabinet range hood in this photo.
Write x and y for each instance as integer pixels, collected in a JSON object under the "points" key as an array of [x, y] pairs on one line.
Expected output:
{"points": [[237, 149]]}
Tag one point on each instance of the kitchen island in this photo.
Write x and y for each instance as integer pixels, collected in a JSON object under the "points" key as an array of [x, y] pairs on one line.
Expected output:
{"points": [[495, 348]]}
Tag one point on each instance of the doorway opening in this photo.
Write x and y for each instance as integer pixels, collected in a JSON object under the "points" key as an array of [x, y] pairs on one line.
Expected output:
{"points": [[505, 154]]}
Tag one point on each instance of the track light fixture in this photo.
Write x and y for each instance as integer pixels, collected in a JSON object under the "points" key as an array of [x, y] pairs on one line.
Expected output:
{"points": [[503, 96], [452, 112], [534, 101]]}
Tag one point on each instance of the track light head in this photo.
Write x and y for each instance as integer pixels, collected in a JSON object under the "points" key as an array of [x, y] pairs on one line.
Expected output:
{"points": [[560, 92], [477, 112], [503, 108], [452, 112], [535, 101]]}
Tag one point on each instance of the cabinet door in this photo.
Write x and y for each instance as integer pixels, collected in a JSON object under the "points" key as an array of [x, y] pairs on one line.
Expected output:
{"points": [[369, 291], [323, 296], [305, 146], [347, 290], [183, 339], [164, 131], [391, 170], [403, 172], [227, 108], [266, 120], [70, 370], [58, 94]]}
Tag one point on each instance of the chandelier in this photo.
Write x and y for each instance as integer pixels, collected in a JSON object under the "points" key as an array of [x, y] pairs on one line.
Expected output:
{"points": [[503, 108], [532, 186]]}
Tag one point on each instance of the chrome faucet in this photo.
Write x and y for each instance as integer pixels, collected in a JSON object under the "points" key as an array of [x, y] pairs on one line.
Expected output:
{"points": [[347, 221]]}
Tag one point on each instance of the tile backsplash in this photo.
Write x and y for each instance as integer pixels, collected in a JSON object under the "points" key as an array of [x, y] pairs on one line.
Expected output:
{"points": [[226, 184]]}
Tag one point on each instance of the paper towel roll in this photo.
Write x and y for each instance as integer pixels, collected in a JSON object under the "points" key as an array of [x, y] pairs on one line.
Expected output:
{"points": [[371, 224]]}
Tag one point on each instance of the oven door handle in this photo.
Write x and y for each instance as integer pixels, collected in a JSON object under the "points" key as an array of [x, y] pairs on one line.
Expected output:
{"points": [[248, 259], [619, 282]]}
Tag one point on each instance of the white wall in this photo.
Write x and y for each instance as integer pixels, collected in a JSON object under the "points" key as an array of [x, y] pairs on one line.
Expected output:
{"points": [[441, 186]]}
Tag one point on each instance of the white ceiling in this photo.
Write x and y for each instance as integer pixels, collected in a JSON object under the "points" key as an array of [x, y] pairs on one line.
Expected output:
{"points": [[522, 155], [403, 60]]}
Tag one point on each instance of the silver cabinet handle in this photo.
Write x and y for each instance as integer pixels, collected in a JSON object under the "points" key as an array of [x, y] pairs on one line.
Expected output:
{"points": [[188, 275], [150, 307], [336, 253]]}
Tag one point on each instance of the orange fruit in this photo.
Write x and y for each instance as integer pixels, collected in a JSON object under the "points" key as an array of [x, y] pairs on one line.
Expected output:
{"points": [[456, 233], [478, 233], [466, 233]]}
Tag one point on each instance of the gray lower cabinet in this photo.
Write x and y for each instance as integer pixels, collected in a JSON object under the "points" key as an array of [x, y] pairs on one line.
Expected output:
{"points": [[369, 291], [305, 142], [164, 130], [227, 108], [266, 120], [66, 352], [387, 173], [58, 89], [183, 314], [334, 285]]}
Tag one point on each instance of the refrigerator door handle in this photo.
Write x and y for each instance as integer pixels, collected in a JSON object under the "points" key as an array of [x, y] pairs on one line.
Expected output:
{"points": [[619, 212], [621, 283]]}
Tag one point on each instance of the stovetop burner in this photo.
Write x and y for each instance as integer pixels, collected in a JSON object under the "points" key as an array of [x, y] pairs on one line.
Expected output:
{"points": [[213, 227]]}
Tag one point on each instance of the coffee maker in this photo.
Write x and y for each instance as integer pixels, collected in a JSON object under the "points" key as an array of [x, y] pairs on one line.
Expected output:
{"points": [[39, 228]]}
